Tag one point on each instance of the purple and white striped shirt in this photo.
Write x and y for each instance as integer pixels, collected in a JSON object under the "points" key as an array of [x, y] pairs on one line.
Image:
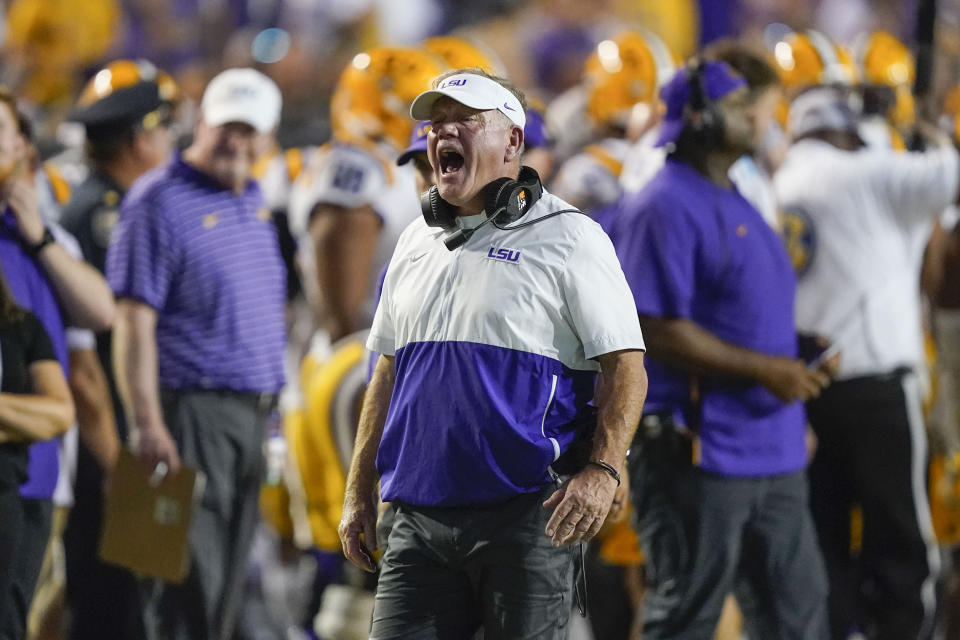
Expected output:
{"points": [[209, 262]]}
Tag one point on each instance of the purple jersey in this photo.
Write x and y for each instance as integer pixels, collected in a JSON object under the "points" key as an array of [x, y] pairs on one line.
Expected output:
{"points": [[208, 261], [691, 249]]}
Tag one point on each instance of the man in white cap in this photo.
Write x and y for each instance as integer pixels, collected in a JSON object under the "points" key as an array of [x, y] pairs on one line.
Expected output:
{"points": [[200, 337], [499, 307], [857, 219]]}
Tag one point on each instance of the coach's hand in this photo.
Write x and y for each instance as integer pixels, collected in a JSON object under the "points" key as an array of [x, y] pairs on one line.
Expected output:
{"points": [[358, 530], [791, 379], [153, 444], [581, 505]]}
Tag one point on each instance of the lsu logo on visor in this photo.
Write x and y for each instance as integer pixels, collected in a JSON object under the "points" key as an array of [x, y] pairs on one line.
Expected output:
{"points": [[504, 255], [454, 82]]}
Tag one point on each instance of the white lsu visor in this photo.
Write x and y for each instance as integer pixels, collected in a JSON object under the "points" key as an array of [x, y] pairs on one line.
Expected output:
{"points": [[474, 91]]}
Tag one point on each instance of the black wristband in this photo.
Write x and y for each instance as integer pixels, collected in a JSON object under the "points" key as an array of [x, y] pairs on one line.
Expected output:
{"points": [[609, 468], [35, 249]]}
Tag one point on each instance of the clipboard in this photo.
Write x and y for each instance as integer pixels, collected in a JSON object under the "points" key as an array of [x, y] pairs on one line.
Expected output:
{"points": [[147, 519]]}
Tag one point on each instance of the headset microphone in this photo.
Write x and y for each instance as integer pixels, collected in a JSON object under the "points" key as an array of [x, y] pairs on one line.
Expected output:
{"points": [[459, 237]]}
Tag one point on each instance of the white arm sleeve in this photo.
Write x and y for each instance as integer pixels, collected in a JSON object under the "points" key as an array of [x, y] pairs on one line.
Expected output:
{"points": [[598, 297], [920, 185]]}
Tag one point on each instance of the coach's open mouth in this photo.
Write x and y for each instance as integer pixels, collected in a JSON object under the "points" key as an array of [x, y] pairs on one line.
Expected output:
{"points": [[450, 162]]}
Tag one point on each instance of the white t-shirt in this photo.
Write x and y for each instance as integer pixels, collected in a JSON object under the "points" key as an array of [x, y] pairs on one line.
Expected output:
{"points": [[857, 223], [351, 177]]}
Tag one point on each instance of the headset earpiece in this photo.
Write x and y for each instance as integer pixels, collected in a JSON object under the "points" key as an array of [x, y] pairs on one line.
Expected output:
{"points": [[702, 116], [512, 198], [505, 201], [436, 211], [494, 199]]}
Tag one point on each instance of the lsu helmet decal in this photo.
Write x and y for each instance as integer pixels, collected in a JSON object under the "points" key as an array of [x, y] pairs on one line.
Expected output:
{"points": [[623, 71], [371, 101], [808, 58], [461, 53]]}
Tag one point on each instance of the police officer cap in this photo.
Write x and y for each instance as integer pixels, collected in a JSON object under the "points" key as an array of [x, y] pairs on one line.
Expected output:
{"points": [[125, 90]]}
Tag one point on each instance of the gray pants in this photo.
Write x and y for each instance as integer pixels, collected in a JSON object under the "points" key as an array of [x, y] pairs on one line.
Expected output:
{"points": [[705, 536], [759, 532], [449, 571], [220, 433]]}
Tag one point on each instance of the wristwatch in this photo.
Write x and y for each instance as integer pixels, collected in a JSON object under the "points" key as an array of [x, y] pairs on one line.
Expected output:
{"points": [[47, 238]]}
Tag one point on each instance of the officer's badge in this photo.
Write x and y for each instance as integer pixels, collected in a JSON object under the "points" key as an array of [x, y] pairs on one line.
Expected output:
{"points": [[101, 226], [801, 239]]}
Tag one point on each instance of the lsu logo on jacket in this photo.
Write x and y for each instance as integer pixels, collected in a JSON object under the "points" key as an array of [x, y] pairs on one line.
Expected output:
{"points": [[504, 255]]}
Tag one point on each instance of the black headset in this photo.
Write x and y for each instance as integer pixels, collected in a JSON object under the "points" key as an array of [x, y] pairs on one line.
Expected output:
{"points": [[505, 201], [702, 117]]}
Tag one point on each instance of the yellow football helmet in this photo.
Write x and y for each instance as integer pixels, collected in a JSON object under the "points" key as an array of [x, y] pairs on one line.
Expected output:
{"points": [[885, 61], [460, 53], [623, 71], [809, 58], [371, 101]]}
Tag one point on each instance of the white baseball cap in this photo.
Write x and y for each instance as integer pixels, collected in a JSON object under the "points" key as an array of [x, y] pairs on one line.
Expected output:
{"points": [[242, 95], [474, 91]]}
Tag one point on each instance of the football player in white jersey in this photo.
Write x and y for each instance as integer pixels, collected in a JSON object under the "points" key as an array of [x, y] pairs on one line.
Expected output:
{"points": [[352, 200]]}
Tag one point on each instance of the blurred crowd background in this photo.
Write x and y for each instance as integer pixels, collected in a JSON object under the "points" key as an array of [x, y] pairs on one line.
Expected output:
{"points": [[51, 49]]}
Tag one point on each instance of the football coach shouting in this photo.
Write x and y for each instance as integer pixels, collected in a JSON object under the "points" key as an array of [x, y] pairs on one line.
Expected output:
{"points": [[499, 308]]}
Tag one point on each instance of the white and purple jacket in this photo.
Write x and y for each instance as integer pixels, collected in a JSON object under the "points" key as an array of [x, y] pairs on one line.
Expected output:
{"points": [[494, 346]]}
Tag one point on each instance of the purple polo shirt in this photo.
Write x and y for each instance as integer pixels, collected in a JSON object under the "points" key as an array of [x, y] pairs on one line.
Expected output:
{"points": [[33, 291], [208, 261], [692, 249]]}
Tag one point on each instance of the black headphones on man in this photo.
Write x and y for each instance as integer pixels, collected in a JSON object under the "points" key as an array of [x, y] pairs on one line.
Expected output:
{"points": [[702, 116], [505, 201]]}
